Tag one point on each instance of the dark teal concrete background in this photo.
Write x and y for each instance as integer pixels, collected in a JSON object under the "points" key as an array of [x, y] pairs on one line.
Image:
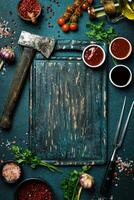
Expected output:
{"points": [[20, 127]]}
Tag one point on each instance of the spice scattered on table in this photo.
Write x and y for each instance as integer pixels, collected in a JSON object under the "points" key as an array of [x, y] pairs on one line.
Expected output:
{"points": [[125, 168], [8, 31], [50, 12], [11, 172], [34, 189], [5, 30]]}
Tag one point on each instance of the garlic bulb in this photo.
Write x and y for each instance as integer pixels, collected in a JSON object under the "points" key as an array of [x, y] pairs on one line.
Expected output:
{"points": [[7, 54], [86, 181]]}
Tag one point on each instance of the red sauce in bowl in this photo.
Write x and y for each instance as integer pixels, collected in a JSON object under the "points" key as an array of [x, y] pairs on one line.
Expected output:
{"points": [[93, 56], [120, 48], [34, 189]]}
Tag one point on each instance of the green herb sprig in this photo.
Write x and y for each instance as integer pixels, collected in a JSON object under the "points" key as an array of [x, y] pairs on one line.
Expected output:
{"points": [[70, 185], [98, 32], [27, 157]]}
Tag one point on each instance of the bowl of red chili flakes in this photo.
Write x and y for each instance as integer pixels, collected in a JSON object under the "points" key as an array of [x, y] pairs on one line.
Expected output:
{"points": [[34, 189], [29, 10]]}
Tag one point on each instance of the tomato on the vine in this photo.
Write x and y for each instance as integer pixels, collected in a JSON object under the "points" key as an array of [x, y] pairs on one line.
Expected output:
{"points": [[70, 9], [76, 4], [78, 12], [74, 18], [65, 28], [85, 6], [66, 15], [61, 21], [73, 26], [89, 1]]}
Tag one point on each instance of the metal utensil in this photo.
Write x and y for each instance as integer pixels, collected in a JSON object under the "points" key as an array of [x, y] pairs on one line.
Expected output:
{"points": [[118, 140]]}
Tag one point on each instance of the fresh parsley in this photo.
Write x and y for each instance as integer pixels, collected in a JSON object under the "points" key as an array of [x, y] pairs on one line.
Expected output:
{"points": [[70, 185], [98, 32], [27, 157]]}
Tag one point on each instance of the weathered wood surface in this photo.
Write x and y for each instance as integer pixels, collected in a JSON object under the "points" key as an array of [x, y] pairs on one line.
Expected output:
{"points": [[68, 122]]}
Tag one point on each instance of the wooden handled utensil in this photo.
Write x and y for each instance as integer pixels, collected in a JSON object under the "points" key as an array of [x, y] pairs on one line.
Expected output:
{"points": [[31, 43]]}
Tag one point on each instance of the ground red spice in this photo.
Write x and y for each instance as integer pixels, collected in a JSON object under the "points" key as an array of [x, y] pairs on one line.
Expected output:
{"points": [[34, 190], [28, 6]]}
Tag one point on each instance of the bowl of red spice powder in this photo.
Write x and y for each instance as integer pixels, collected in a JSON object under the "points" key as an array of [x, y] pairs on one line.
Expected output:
{"points": [[29, 10], [34, 189]]}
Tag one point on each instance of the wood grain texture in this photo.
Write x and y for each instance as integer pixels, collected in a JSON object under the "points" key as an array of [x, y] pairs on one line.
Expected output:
{"points": [[68, 111]]}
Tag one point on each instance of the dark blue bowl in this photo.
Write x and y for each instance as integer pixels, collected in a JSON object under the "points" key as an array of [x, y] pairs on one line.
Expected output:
{"points": [[22, 184]]}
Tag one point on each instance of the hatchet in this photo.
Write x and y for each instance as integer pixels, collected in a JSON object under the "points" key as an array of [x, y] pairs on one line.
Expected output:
{"points": [[31, 43]]}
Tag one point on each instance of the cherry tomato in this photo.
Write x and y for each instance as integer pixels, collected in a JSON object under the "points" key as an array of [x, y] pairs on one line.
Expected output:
{"points": [[89, 1], [65, 28], [76, 4], [85, 6], [73, 26], [61, 21], [70, 9]]}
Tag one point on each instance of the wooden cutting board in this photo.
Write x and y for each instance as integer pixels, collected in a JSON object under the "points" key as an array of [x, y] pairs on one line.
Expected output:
{"points": [[68, 120]]}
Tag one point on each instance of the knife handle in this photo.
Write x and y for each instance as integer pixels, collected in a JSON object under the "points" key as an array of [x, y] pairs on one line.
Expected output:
{"points": [[108, 177], [16, 86]]}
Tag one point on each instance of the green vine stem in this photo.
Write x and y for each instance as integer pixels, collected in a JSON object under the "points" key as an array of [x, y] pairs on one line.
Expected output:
{"points": [[79, 193], [74, 192]]}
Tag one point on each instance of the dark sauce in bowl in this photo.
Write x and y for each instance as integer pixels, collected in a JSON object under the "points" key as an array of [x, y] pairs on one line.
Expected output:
{"points": [[120, 75], [34, 189], [93, 56]]}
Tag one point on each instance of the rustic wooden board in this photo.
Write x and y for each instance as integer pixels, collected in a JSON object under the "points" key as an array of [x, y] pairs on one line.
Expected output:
{"points": [[68, 122]]}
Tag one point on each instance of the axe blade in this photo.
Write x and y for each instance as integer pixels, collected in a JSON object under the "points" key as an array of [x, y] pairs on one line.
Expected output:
{"points": [[45, 45]]}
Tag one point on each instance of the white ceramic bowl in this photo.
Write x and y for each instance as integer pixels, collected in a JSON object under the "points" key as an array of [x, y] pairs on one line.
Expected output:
{"points": [[104, 56], [129, 80], [122, 58]]}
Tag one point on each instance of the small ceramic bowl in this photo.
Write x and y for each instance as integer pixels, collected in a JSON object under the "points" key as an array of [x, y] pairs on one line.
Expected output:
{"points": [[120, 76], [31, 18], [31, 183], [120, 48], [11, 172], [93, 55]]}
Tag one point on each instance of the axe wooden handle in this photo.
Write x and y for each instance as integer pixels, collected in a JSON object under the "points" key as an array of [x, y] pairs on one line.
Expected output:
{"points": [[16, 86]]}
